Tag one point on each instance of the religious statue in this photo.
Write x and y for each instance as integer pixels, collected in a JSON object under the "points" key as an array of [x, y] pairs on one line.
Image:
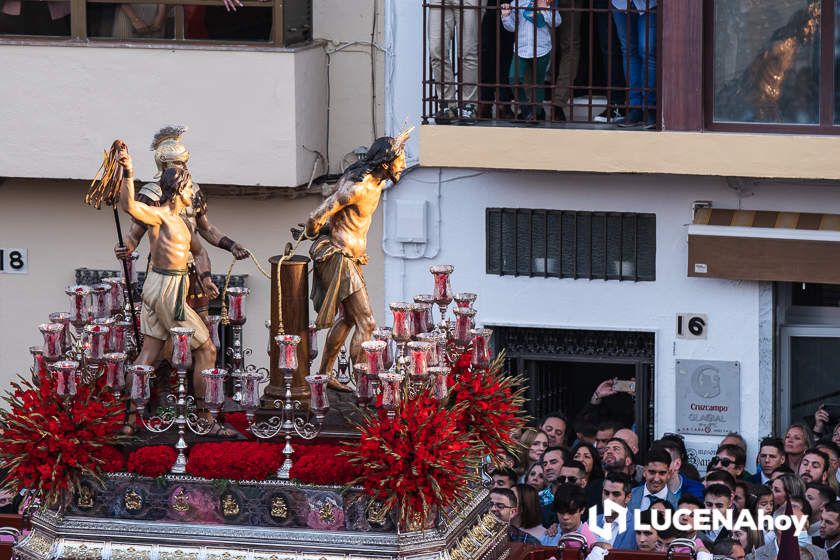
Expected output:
{"points": [[167, 283], [339, 227], [171, 152]]}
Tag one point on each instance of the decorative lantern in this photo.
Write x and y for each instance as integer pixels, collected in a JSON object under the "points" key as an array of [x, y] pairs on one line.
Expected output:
{"points": [[131, 265], [421, 314], [436, 345], [391, 391], [419, 353], [39, 364], [250, 390], [63, 318], [481, 347], [115, 371], [374, 350], [465, 299], [214, 388], [287, 359], [386, 335], [79, 305], [140, 392], [236, 305], [53, 337], [101, 304], [65, 377], [401, 331], [440, 382], [115, 293], [319, 404], [364, 387], [213, 326], [443, 291], [97, 337], [463, 325], [119, 336], [182, 347]]}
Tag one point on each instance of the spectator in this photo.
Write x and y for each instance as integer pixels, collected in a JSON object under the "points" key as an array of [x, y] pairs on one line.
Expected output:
{"points": [[139, 20], [798, 438], [771, 455], [830, 448], [716, 498], [607, 402], [527, 526], [742, 497], [534, 477], [504, 478], [734, 438], [835, 435], [750, 539], [534, 443], [610, 50], [606, 431], [763, 500], [618, 458], [585, 431], [729, 548], [532, 21], [688, 470], [730, 458], [586, 454], [573, 472], [657, 472], [554, 425], [691, 503], [569, 505], [646, 539], [814, 466], [566, 57], [830, 529], [618, 487], [787, 486], [630, 437], [635, 22], [503, 504], [719, 477], [552, 462], [818, 496], [678, 483], [822, 422], [779, 471], [495, 58], [446, 18], [35, 18]]}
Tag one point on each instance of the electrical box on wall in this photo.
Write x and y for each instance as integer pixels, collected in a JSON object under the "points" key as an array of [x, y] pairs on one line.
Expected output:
{"points": [[411, 221]]}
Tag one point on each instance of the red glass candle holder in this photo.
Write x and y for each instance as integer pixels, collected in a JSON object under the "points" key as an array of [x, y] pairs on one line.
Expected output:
{"points": [[374, 350], [440, 381], [65, 377], [53, 340], [250, 390], [437, 343], [131, 265], [287, 359], [319, 403], [182, 347], [391, 390], [481, 347], [97, 345], [79, 305], [39, 363], [115, 294], [312, 333], [401, 331], [464, 299], [100, 301], [364, 388], [213, 326], [443, 291], [236, 305], [420, 318], [115, 371], [386, 335], [419, 354], [214, 387], [119, 336], [140, 387], [463, 325], [63, 318]]}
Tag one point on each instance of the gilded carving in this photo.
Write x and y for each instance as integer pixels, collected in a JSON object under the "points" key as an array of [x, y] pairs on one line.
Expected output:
{"points": [[84, 500], [130, 553], [177, 554], [83, 552], [376, 513], [132, 501], [279, 508], [181, 501], [325, 513], [230, 507]]}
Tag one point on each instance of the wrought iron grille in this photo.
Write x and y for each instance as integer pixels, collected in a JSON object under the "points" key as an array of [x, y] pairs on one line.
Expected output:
{"points": [[571, 244]]}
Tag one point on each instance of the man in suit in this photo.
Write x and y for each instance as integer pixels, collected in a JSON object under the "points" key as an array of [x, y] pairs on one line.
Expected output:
{"points": [[617, 487], [657, 473], [830, 530], [771, 455], [717, 497]]}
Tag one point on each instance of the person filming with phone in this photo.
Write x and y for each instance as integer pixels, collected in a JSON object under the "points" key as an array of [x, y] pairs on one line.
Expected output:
{"points": [[613, 399]]}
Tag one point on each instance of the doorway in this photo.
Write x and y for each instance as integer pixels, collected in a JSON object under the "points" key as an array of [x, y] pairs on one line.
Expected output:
{"points": [[562, 368]]}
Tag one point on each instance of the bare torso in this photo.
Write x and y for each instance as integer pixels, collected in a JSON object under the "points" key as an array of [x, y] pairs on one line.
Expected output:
{"points": [[169, 242], [349, 225]]}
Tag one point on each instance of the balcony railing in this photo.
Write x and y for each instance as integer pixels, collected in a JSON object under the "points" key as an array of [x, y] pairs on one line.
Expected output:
{"points": [[279, 23], [549, 62]]}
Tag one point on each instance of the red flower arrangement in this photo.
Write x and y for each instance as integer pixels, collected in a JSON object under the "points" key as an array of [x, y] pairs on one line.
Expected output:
{"points": [[239, 422], [153, 461], [322, 464], [50, 444], [235, 460], [491, 405], [112, 459], [416, 462]]}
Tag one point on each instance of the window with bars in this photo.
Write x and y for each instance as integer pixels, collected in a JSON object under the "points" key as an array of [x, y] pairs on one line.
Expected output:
{"points": [[570, 244]]}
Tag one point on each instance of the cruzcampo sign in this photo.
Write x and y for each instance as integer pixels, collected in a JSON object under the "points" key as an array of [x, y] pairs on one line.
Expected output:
{"points": [[708, 397]]}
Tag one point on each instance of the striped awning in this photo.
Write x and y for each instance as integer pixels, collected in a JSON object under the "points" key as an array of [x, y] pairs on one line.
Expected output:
{"points": [[764, 245]]}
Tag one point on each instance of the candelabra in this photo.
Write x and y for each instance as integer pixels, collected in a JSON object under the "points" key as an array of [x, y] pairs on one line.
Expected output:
{"points": [[289, 422], [236, 353], [182, 411]]}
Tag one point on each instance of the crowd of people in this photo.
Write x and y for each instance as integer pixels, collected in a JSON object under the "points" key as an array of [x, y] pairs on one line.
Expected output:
{"points": [[506, 50], [567, 467]]}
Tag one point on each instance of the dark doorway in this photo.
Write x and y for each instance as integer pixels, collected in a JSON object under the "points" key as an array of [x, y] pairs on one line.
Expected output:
{"points": [[564, 367]]}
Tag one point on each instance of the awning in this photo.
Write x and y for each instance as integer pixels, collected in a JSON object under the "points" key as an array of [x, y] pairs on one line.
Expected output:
{"points": [[760, 245]]}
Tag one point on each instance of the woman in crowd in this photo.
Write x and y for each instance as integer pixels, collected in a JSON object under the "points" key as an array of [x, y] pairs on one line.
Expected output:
{"points": [[534, 477], [749, 539], [787, 486], [798, 438], [586, 454], [528, 521], [534, 442]]}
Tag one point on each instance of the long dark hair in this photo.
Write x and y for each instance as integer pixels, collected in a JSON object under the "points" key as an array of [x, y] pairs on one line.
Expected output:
{"points": [[377, 161], [597, 472], [530, 513], [172, 181]]}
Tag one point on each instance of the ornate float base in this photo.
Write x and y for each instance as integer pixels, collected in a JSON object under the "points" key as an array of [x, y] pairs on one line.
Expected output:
{"points": [[115, 524]]}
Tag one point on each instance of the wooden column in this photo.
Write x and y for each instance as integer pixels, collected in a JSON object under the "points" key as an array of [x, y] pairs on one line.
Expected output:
{"points": [[681, 65], [289, 291]]}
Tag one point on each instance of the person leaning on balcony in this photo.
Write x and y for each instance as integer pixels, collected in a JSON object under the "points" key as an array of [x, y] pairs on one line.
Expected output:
{"points": [[532, 21], [566, 58], [140, 20], [445, 16], [635, 24]]}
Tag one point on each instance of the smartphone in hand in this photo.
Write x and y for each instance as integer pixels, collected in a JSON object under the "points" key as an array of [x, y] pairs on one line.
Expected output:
{"points": [[625, 386]]}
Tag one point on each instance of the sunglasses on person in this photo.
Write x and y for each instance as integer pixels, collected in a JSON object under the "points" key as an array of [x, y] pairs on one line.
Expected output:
{"points": [[722, 461], [567, 479]]}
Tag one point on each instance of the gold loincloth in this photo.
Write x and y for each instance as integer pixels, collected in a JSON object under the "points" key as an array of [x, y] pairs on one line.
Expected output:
{"points": [[163, 295], [337, 277]]}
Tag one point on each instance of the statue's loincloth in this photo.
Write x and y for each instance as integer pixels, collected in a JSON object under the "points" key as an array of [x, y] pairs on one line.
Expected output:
{"points": [[337, 277], [164, 299]]}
